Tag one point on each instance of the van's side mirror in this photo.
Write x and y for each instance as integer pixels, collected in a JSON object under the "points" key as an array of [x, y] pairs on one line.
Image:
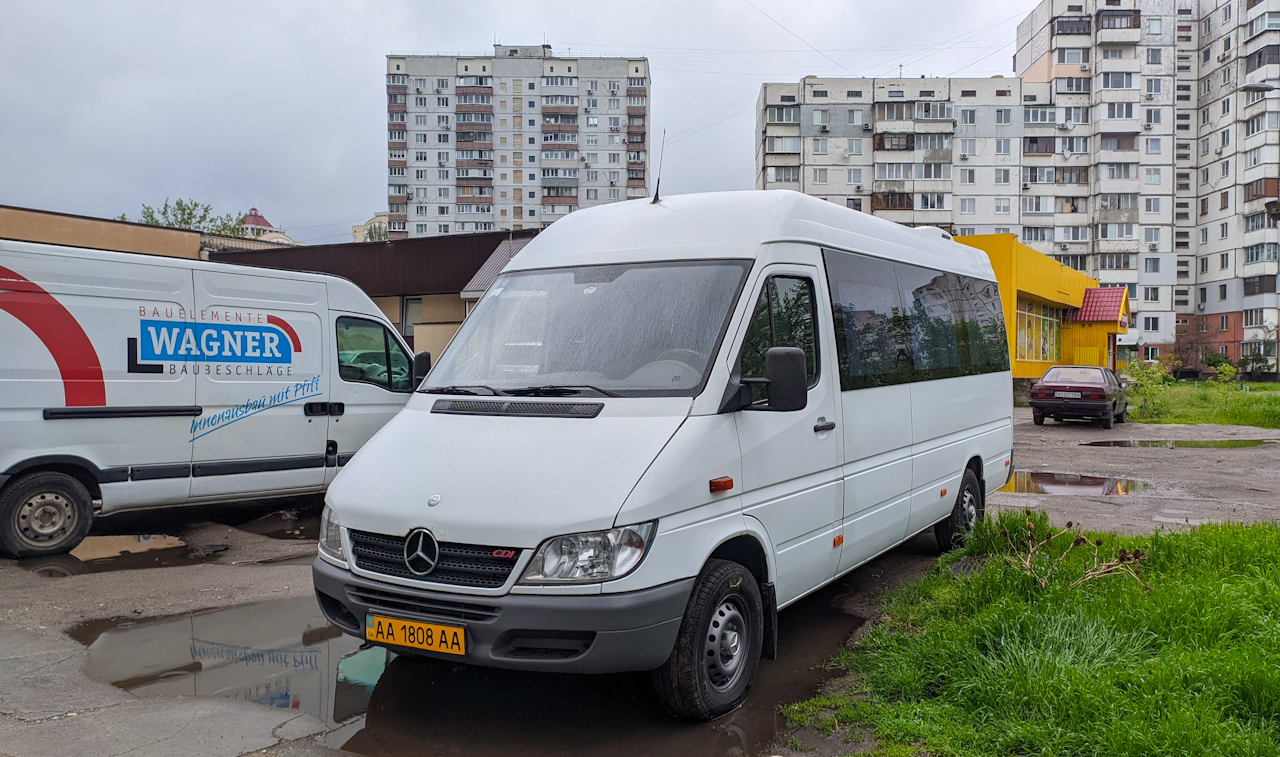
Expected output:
{"points": [[421, 367], [788, 387]]}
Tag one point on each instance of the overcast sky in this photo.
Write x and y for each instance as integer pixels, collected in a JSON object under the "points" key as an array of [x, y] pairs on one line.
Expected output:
{"points": [[280, 105]]}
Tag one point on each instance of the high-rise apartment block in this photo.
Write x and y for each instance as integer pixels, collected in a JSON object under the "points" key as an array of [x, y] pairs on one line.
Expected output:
{"points": [[1139, 144], [513, 140]]}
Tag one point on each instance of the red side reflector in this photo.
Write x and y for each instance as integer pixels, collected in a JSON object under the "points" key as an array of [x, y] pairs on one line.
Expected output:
{"points": [[722, 484], [838, 541], [944, 493]]}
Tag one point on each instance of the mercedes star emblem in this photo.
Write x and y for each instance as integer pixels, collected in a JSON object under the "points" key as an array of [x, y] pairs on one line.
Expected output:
{"points": [[421, 552]]}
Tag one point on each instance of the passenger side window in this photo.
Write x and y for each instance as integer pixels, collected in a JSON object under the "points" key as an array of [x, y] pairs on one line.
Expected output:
{"points": [[872, 331], [369, 354], [784, 317]]}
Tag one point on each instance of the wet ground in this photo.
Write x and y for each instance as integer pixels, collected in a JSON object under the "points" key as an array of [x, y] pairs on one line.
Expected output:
{"points": [[286, 656], [1044, 482], [1184, 443]]}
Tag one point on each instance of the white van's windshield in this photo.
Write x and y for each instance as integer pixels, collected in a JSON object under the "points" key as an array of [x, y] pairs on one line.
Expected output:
{"points": [[632, 330]]}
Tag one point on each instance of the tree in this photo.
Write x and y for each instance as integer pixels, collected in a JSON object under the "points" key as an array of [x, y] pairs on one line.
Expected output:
{"points": [[1190, 343], [1217, 361], [377, 232], [190, 214]]}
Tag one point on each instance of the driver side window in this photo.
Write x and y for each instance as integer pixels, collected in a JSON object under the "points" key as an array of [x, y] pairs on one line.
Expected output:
{"points": [[784, 317], [368, 354]]}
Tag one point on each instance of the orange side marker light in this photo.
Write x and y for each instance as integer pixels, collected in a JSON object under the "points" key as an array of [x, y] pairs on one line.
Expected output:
{"points": [[837, 541], [722, 484], [944, 493]]}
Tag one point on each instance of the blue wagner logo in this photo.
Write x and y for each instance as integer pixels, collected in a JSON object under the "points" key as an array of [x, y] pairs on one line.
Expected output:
{"points": [[182, 341]]}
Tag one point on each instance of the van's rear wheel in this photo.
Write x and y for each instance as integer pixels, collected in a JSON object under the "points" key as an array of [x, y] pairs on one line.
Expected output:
{"points": [[967, 512], [717, 652], [45, 513]]}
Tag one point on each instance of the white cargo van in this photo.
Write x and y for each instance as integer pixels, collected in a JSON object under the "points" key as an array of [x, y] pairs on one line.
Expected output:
{"points": [[134, 381], [662, 424]]}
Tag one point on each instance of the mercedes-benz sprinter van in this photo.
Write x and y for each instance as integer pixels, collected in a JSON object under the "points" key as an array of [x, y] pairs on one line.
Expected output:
{"points": [[130, 381], [664, 423]]}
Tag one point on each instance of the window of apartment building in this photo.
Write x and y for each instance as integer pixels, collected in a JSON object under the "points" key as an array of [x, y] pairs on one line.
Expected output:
{"points": [[1115, 231], [776, 174], [1224, 200], [1037, 204], [968, 146], [1155, 86], [968, 116], [1037, 233], [854, 176], [615, 103], [855, 116], [895, 141], [819, 93], [1226, 168], [1222, 230], [1252, 159], [1073, 85], [932, 201], [1224, 261], [782, 144], [1073, 55], [854, 147], [1225, 137], [1153, 175], [782, 114], [1151, 235], [1155, 26], [1003, 146], [893, 111], [819, 176], [1261, 252], [1224, 324], [967, 175], [933, 141], [821, 116], [933, 111], [1117, 80], [1039, 115], [1153, 56], [1253, 318], [1204, 262], [1002, 175], [1152, 115], [853, 203], [968, 206], [1078, 262], [1118, 170], [1119, 110], [1257, 222], [1151, 323], [1255, 285], [1222, 292], [1073, 234], [1151, 205], [935, 171], [1153, 145], [853, 93], [1151, 294], [1003, 115], [893, 171], [1204, 146], [1112, 53], [1077, 115], [820, 146], [1071, 204], [1152, 265], [1073, 144], [1038, 174], [1002, 206]]}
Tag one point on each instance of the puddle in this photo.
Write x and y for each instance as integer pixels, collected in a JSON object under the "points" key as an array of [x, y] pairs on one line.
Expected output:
{"points": [[100, 554], [1026, 482], [1183, 443], [284, 524], [285, 655]]}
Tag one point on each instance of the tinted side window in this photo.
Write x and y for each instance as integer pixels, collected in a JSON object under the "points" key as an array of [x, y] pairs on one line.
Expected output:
{"points": [[873, 334], [935, 310], [984, 333], [784, 317], [368, 354]]}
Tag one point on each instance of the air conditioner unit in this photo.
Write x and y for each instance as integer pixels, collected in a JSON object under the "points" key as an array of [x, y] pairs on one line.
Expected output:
{"points": [[1153, 247], [1026, 186], [586, 165], [1199, 306], [437, 90], [1222, 57], [1084, 66], [1064, 246], [586, 110], [1218, 151], [612, 183], [591, 91], [1064, 127], [418, 90], [442, 162], [866, 127], [964, 156], [1147, 126], [824, 127], [615, 128], [1149, 96]]}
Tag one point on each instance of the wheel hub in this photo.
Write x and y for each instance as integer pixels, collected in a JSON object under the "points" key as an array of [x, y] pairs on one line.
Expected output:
{"points": [[44, 517], [969, 508], [726, 644]]}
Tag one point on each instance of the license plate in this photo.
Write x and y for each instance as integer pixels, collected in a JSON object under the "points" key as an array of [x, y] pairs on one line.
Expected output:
{"points": [[410, 633], [1068, 395]]}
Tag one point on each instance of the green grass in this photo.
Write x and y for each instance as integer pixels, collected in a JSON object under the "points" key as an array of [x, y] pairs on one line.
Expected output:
{"points": [[1188, 403], [989, 663]]}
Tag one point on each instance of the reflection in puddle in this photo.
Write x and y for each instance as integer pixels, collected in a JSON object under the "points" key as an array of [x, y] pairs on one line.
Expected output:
{"points": [[284, 524], [100, 554], [1026, 482], [285, 655], [1183, 443]]}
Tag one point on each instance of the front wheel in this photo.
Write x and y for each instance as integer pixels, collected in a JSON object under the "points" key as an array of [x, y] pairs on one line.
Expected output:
{"points": [[1109, 418], [44, 513], [967, 512], [717, 652]]}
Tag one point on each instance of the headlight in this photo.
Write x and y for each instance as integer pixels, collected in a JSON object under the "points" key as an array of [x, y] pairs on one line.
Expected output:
{"points": [[331, 535], [590, 557]]}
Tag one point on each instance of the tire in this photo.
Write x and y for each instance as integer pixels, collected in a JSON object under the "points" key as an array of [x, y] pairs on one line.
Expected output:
{"points": [[1037, 418], [968, 511], [1123, 417], [1109, 419], [44, 513], [724, 621]]}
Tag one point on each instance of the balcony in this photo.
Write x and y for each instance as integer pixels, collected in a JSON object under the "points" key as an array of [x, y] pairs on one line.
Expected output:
{"points": [[560, 110], [1119, 36], [637, 110], [560, 200], [471, 108], [473, 90]]}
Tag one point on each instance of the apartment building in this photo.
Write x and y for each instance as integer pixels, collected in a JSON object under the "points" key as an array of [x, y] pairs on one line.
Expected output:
{"points": [[1138, 144], [512, 140]]}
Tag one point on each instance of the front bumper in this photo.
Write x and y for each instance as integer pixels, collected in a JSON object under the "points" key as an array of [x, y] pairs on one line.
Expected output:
{"points": [[1071, 408], [596, 633]]}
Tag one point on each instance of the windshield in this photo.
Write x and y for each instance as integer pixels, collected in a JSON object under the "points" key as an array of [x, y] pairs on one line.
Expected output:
{"points": [[1074, 376], [627, 330]]}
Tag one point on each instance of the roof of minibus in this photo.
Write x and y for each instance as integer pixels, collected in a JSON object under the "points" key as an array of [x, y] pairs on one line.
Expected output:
{"points": [[734, 225]]}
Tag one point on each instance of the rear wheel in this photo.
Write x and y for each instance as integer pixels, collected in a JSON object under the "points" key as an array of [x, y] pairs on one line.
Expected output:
{"points": [[1109, 418], [717, 652], [967, 512], [45, 513], [1037, 418], [1124, 414]]}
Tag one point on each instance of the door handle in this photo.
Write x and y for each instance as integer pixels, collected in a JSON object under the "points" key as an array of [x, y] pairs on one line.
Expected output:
{"points": [[337, 408], [315, 408], [824, 426]]}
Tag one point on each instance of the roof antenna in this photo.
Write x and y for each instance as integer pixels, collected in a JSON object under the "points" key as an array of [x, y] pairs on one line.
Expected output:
{"points": [[657, 186]]}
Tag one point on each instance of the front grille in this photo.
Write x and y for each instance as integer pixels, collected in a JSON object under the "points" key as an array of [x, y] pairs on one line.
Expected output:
{"points": [[396, 603], [525, 409], [459, 565]]}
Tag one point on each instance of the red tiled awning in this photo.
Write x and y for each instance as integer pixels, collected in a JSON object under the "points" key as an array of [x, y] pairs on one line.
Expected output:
{"points": [[1102, 305]]}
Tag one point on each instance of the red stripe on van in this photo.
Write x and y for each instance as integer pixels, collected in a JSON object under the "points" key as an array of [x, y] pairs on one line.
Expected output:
{"points": [[53, 324], [284, 326]]}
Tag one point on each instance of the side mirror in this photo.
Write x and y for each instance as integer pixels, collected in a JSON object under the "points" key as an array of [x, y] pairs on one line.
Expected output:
{"points": [[421, 367], [788, 387]]}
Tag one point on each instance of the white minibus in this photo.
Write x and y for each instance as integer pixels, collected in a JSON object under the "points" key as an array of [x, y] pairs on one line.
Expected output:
{"points": [[130, 381], [665, 422]]}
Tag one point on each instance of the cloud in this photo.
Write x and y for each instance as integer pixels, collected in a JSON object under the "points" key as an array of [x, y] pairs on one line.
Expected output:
{"points": [[105, 106]]}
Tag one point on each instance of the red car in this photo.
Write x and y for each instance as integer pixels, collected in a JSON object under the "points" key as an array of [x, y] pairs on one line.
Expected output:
{"points": [[1080, 391]]}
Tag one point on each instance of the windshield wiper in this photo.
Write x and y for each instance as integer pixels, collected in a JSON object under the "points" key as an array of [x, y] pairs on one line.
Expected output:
{"points": [[559, 390], [460, 389]]}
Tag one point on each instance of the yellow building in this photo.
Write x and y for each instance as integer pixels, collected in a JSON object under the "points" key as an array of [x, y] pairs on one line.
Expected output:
{"points": [[1055, 314]]}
